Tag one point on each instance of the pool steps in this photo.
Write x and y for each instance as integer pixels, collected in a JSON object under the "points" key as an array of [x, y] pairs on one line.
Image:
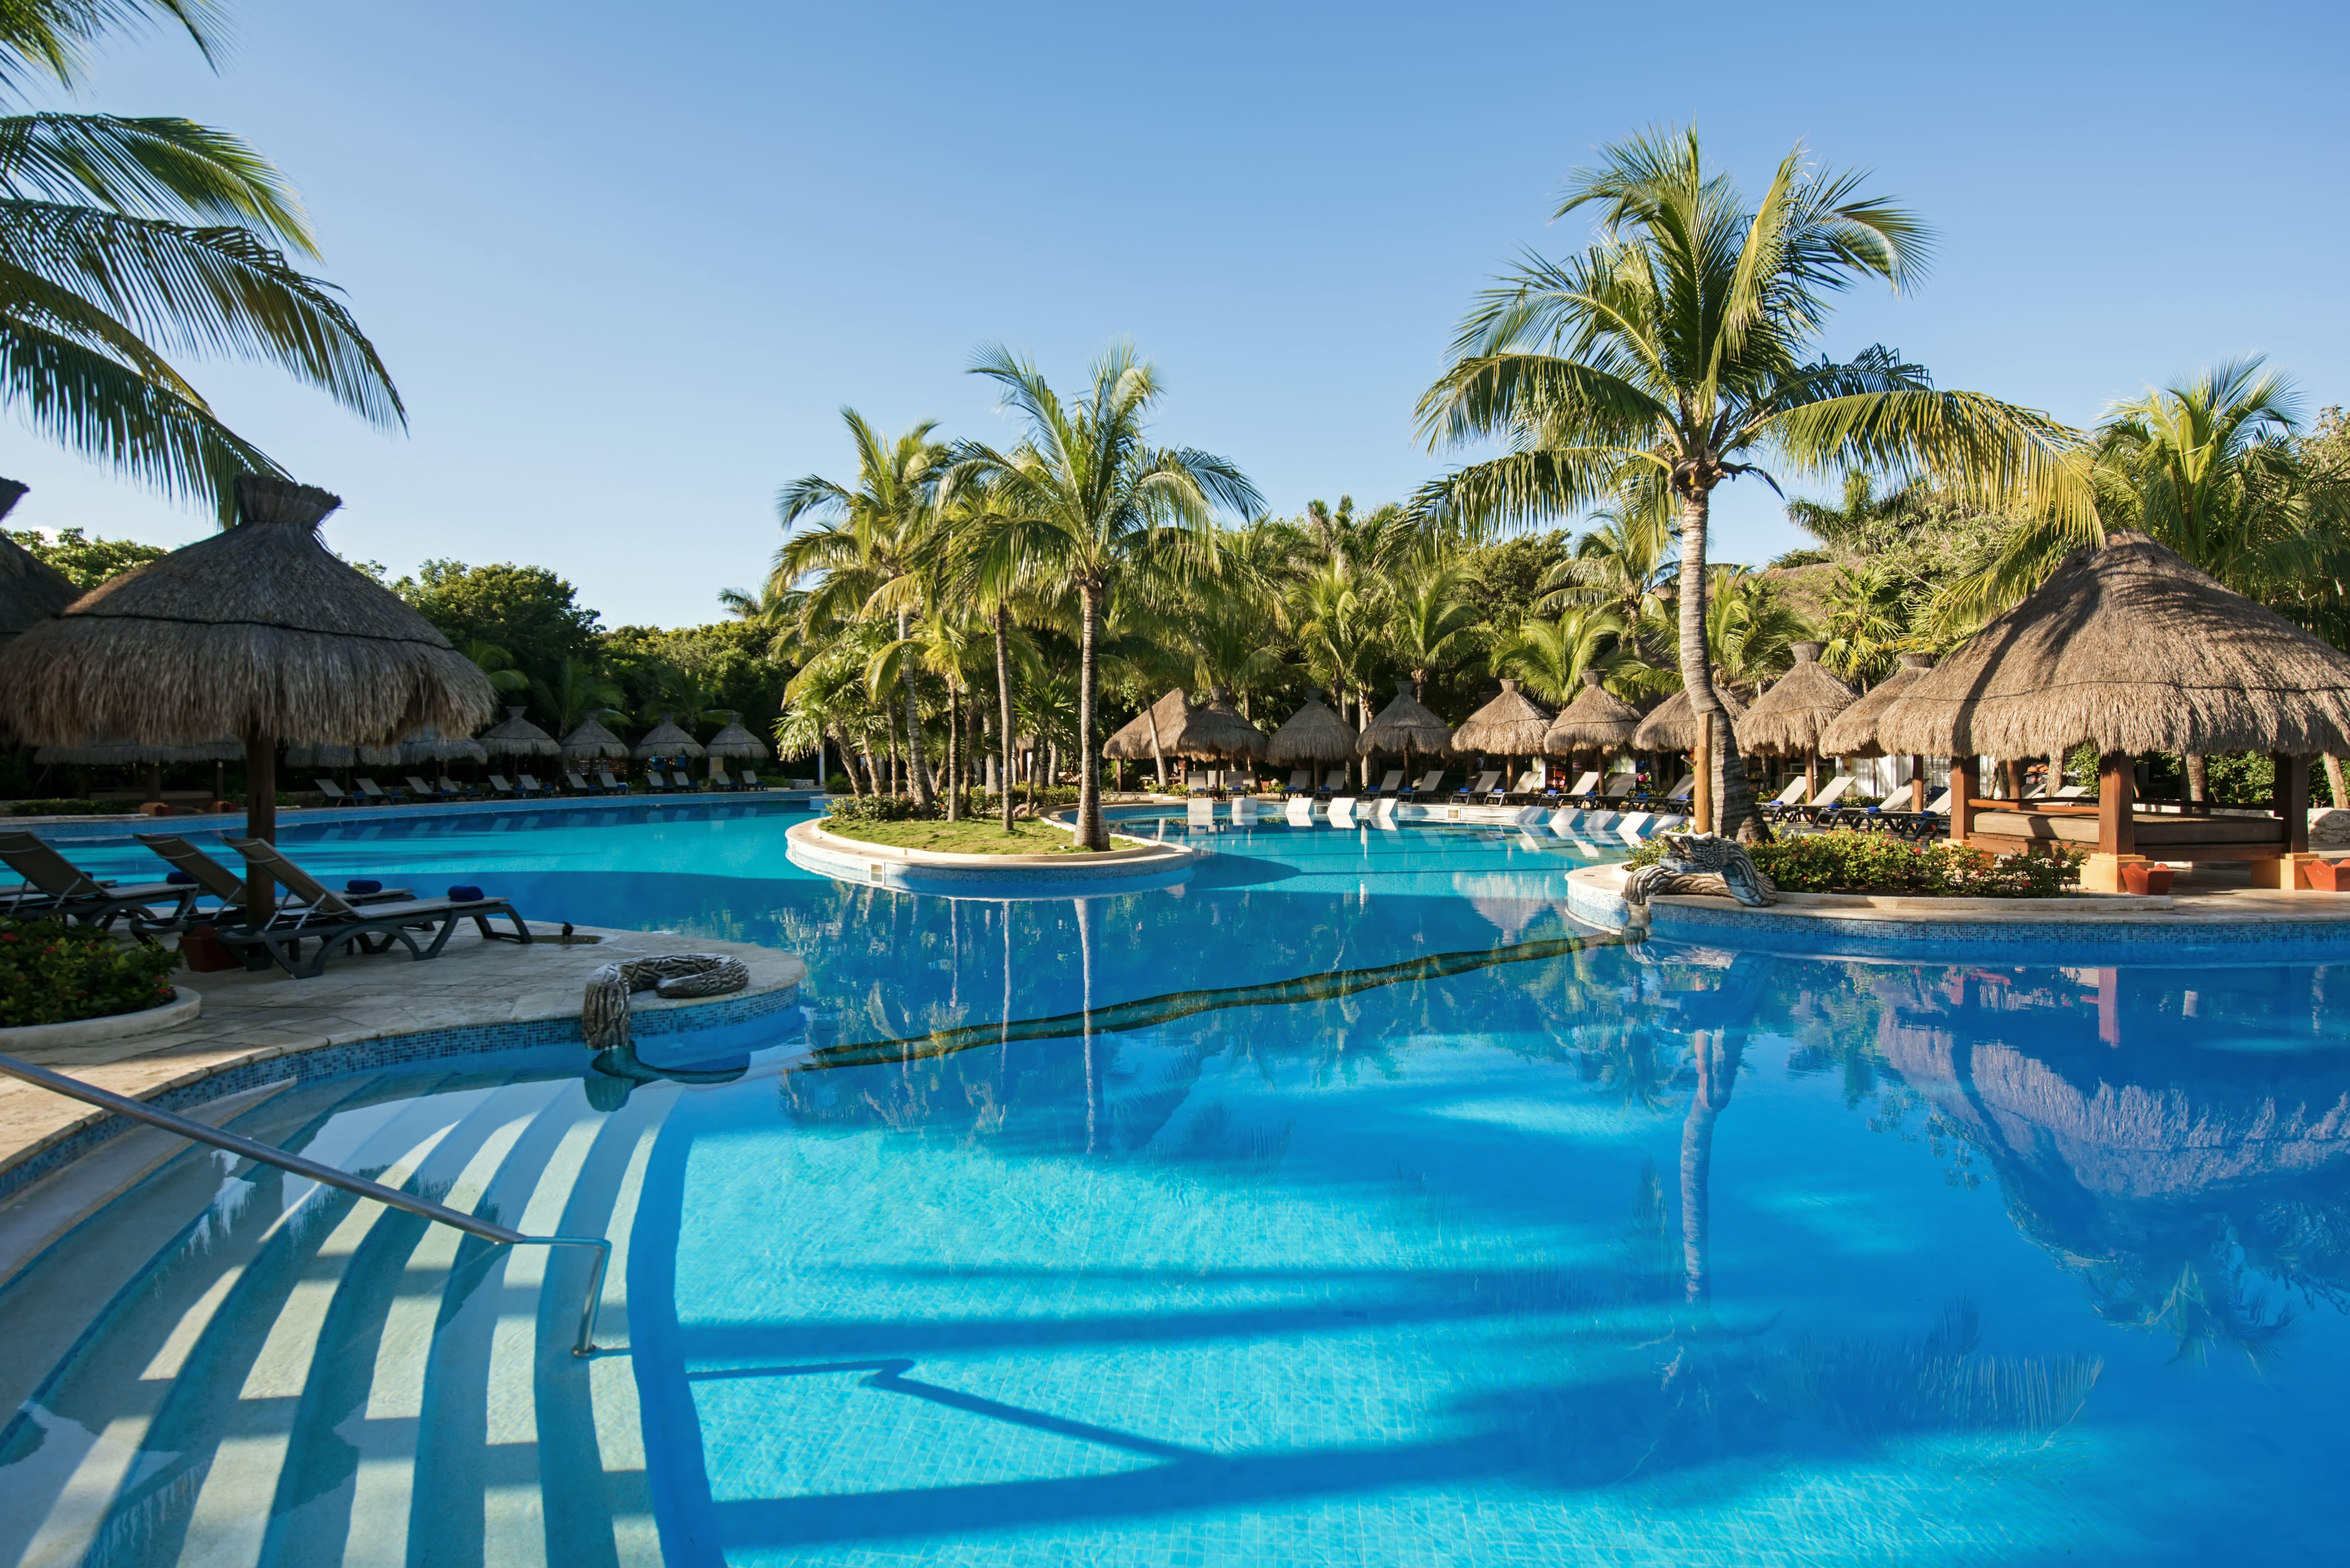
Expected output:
{"points": [[348, 1359]]}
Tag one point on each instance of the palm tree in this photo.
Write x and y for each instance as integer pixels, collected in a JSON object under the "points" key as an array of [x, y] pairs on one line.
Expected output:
{"points": [[578, 690], [1549, 657], [1847, 525], [1672, 352], [125, 241], [1431, 619], [876, 548], [1094, 500]]}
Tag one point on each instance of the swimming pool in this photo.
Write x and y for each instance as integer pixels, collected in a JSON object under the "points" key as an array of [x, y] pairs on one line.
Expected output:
{"points": [[1346, 1204]]}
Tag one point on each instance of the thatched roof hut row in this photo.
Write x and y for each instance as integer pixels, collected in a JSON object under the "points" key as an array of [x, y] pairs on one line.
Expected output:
{"points": [[1673, 726], [1508, 726], [1313, 735], [30, 588], [1597, 721], [1792, 713], [1405, 727], [1176, 727]]}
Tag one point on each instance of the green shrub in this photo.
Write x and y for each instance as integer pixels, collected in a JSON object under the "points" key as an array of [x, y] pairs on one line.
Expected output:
{"points": [[53, 972], [1845, 862], [62, 808], [878, 808]]}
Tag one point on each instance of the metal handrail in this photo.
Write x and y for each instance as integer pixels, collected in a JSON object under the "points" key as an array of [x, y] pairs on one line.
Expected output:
{"points": [[328, 1176]]}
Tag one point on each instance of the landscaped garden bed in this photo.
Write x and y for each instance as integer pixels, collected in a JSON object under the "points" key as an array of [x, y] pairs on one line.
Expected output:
{"points": [[53, 972], [986, 836], [1844, 862]]}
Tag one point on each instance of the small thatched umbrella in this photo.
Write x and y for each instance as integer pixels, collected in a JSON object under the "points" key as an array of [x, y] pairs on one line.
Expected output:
{"points": [[119, 754], [1853, 731], [590, 742], [1597, 721], [258, 631], [1406, 726], [430, 745], [30, 588], [735, 741], [1509, 727], [1314, 735], [666, 740], [1151, 733], [518, 737], [1215, 732], [1788, 719], [1673, 726]]}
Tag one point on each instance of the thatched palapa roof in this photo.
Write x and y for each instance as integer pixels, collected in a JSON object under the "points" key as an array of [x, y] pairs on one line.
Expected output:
{"points": [[591, 740], [1597, 721], [2131, 649], [1673, 726], [430, 745], [30, 588], [335, 755], [1405, 725], [1789, 718], [735, 741], [107, 753], [666, 740], [518, 737], [1164, 717], [1314, 735], [1216, 732], [1853, 731], [256, 629], [1508, 726]]}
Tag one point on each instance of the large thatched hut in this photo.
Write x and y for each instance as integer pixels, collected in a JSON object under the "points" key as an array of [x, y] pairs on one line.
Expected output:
{"points": [[258, 631], [1405, 727], [736, 743], [1508, 726], [1673, 726], [428, 745], [1215, 730], [1597, 721], [1313, 735], [30, 588], [518, 737], [2128, 649], [1853, 733]]}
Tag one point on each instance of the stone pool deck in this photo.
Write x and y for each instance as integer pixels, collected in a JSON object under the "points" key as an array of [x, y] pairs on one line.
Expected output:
{"points": [[260, 1030]]}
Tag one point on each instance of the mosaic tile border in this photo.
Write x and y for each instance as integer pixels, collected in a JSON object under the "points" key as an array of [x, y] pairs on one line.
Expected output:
{"points": [[382, 1051]]}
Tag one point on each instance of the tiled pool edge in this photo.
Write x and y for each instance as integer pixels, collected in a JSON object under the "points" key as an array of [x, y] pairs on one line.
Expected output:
{"points": [[61, 1148], [114, 828]]}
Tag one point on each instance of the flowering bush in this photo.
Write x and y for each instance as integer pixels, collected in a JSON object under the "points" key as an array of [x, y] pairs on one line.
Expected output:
{"points": [[1845, 862], [53, 972], [60, 807]]}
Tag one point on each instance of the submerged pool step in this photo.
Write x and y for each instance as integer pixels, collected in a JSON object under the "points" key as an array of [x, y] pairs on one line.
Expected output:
{"points": [[305, 1377]]}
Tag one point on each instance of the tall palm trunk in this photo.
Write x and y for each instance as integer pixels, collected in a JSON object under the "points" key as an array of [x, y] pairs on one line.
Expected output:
{"points": [[1725, 803], [2198, 777], [1003, 707], [1090, 831], [1717, 1060], [954, 753], [922, 796]]}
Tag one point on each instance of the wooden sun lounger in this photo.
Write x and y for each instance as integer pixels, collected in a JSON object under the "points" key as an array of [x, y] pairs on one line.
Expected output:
{"points": [[335, 922]]}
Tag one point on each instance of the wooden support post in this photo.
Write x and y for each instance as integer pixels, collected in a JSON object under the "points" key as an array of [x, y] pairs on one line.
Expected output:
{"points": [[1701, 793], [2015, 778], [2117, 825], [2292, 798], [1964, 785]]}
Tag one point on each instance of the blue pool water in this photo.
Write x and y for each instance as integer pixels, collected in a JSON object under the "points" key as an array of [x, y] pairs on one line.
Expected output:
{"points": [[1339, 1206]]}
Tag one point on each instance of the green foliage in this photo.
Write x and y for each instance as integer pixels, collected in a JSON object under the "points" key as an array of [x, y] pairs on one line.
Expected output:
{"points": [[61, 807], [85, 561], [2229, 778], [878, 808], [1845, 862], [529, 614], [54, 971], [699, 669]]}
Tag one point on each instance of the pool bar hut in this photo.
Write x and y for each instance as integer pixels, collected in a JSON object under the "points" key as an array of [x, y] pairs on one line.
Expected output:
{"points": [[2128, 649]]}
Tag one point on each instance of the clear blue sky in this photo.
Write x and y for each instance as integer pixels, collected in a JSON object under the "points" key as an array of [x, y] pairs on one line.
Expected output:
{"points": [[627, 262]]}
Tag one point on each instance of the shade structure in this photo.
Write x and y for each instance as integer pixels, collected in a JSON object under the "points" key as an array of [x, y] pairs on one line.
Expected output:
{"points": [[1508, 726], [2128, 649], [666, 740], [1215, 732], [1789, 719], [107, 753], [332, 754], [31, 589], [1853, 733], [1404, 726], [1162, 723], [1673, 726], [518, 737], [1597, 721], [1313, 735], [591, 741], [430, 745], [735, 741]]}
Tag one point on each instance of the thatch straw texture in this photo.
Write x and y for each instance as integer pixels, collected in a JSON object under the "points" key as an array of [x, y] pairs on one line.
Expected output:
{"points": [[2131, 649], [1508, 726], [333, 755], [1853, 731], [1673, 726], [666, 740], [1405, 725], [518, 737], [107, 753], [591, 741], [430, 745], [258, 628], [1789, 719], [1165, 717], [1314, 735], [735, 741], [1216, 732], [30, 588], [1597, 721]]}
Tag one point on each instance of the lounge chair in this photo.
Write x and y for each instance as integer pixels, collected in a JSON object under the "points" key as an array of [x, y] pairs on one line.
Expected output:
{"points": [[57, 890], [1301, 782], [1332, 782], [1483, 786], [500, 788], [577, 783], [1785, 801], [375, 793], [1529, 785], [1924, 824], [1583, 793], [446, 788], [607, 784], [210, 877], [1872, 817], [418, 789], [1431, 783], [1825, 802], [527, 786], [1387, 786], [332, 791], [335, 922], [682, 780]]}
